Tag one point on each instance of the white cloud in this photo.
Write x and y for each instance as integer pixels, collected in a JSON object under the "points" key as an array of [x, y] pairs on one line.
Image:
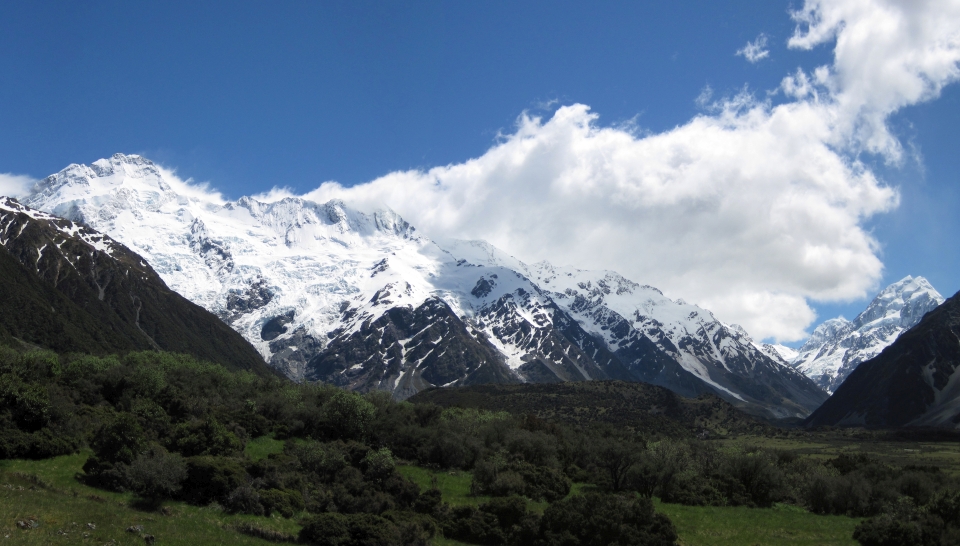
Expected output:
{"points": [[750, 210], [888, 54], [747, 212], [15, 185], [756, 50]]}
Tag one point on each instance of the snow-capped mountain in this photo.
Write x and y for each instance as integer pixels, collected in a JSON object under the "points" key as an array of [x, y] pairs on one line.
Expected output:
{"points": [[360, 298], [838, 346], [70, 288], [914, 382]]}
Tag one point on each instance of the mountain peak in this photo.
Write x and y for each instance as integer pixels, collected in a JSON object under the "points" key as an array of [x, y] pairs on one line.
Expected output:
{"points": [[838, 346], [903, 303]]}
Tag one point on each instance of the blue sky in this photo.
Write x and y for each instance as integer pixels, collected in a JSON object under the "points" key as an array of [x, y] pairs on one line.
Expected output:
{"points": [[253, 95]]}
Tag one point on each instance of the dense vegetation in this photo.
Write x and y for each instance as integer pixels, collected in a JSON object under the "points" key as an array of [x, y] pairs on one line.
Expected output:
{"points": [[168, 426]]}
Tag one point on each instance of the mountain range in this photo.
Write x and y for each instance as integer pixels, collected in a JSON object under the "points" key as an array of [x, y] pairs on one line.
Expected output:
{"points": [[359, 298]]}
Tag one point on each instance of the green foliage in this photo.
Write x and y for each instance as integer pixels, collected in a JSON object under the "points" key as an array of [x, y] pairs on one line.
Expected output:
{"points": [[599, 520], [319, 449], [909, 524], [350, 530], [286, 503], [212, 479], [499, 478], [205, 437], [378, 464], [156, 474], [349, 415], [119, 441]]}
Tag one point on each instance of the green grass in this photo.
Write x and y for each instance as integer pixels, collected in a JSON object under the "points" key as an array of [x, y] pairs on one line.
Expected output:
{"points": [[263, 447], [48, 492], [945, 455], [738, 525], [453, 485]]}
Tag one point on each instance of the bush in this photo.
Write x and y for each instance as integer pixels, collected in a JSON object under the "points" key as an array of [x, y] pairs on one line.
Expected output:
{"points": [[207, 437], [246, 500], [886, 530], [212, 479], [599, 520], [348, 415], [119, 441], [350, 530], [287, 503], [378, 464], [498, 479], [156, 474], [470, 524]]}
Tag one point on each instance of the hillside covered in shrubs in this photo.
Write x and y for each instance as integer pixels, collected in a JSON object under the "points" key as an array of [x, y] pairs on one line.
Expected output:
{"points": [[167, 426]]}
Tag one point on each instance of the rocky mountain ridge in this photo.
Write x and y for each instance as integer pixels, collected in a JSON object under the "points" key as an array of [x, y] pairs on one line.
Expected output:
{"points": [[360, 298], [838, 346], [913, 382], [69, 288]]}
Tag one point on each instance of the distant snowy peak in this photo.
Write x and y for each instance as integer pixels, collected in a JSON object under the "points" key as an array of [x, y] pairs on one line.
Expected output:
{"points": [[838, 346], [902, 304]]}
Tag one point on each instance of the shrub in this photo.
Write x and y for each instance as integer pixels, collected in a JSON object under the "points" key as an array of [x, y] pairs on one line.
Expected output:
{"points": [[212, 478], [287, 503], [470, 524], [350, 530], [886, 530], [207, 437], [156, 474], [378, 464], [324, 460], [348, 415], [599, 520], [246, 500], [497, 478], [119, 441], [326, 530]]}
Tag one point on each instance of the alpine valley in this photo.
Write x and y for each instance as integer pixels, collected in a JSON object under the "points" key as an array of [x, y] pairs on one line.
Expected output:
{"points": [[362, 300]]}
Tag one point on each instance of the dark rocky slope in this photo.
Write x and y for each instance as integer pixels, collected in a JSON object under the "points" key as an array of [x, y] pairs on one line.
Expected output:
{"points": [[69, 288], [913, 382]]}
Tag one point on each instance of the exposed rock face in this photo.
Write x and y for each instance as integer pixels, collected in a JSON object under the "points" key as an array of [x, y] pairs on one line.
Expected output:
{"points": [[838, 346], [359, 298], [913, 382], [70, 288]]}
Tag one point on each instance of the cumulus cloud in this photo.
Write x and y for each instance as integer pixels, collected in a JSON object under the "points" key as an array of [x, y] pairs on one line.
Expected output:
{"points": [[888, 54], [15, 185], [747, 212], [756, 50], [752, 209]]}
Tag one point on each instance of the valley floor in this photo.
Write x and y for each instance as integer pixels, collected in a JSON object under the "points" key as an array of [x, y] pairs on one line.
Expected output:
{"points": [[56, 508]]}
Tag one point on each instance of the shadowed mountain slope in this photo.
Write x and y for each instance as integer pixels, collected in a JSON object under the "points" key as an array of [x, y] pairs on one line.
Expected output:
{"points": [[67, 287], [913, 382]]}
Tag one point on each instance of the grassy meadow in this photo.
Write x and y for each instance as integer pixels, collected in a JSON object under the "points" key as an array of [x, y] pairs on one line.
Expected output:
{"points": [[66, 511], [827, 445], [47, 494]]}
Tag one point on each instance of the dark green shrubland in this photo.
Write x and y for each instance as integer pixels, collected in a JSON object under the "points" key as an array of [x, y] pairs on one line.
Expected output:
{"points": [[168, 426]]}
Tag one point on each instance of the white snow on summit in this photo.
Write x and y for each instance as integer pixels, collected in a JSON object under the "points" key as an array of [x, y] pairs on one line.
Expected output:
{"points": [[838, 346], [289, 274]]}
